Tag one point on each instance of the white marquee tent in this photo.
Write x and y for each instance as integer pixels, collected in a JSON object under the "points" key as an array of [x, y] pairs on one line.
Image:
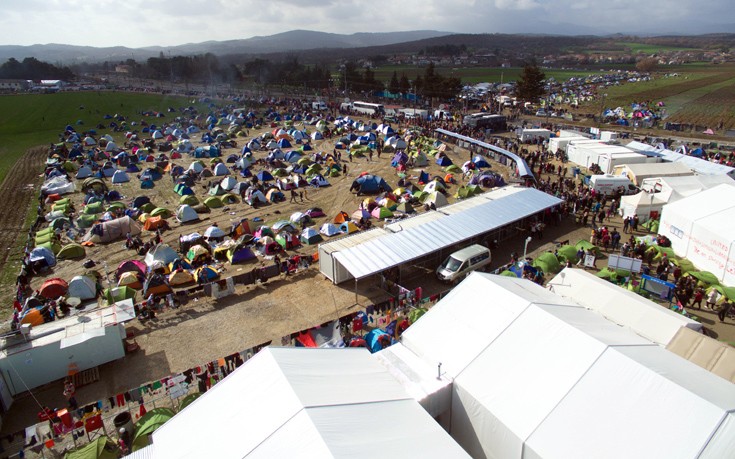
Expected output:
{"points": [[642, 316], [700, 228], [536, 375], [306, 403]]}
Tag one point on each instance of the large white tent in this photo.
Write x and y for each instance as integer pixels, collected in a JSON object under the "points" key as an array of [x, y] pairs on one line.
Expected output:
{"points": [[642, 316], [537, 375], [670, 189], [306, 403], [700, 228]]}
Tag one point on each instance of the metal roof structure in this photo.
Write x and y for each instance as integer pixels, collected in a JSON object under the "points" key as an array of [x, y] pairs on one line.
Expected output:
{"points": [[491, 210], [523, 169]]}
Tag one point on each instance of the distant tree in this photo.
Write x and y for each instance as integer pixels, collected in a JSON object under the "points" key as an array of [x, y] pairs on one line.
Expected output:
{"points": [[394, 86], [403, 84], [647, 64], [530, 84]]}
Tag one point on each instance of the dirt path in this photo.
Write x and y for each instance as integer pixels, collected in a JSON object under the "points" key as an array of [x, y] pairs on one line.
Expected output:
{"points": [[18, 189]]}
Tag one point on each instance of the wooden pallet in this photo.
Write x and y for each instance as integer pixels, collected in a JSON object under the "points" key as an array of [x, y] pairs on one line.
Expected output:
{"points": [[86, 377]]}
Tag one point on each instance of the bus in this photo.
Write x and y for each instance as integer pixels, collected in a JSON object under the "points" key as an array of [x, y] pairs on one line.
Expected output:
{"points": [[486, 121], [368, 108]]}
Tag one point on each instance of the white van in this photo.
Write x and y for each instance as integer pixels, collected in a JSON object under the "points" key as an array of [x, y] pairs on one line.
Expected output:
{"points": [[463, 262], [319, 106], [608, 184]]}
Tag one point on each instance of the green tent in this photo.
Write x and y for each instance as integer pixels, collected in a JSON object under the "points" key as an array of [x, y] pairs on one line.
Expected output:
{"points": [[568, 253], [94, 208], [334, 173], [279, 172], [44, 238], [382, 212], [115, 294], [48, 230], [706, 277], [304, 161], [547, 262], [661, 251], [85, 221], [148, 207], [587, 245], [685, 265], [59, 223], [213, 202], [72, 250], [186, 401], [406, 208], [229, 199], [651, 225], [116, 205], [613, 275], [99, 448], [65, 208], [53, 246], [507, 273], [453, 169], [161, 212], [415, 314], [189, 199], [148, 424]]}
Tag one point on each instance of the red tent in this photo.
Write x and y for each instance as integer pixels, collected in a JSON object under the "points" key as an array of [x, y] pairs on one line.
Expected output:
{"points": [[54, 288]]}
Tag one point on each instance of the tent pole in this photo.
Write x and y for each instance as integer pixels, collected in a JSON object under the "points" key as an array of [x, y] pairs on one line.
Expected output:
{"points": [[356, 302]]}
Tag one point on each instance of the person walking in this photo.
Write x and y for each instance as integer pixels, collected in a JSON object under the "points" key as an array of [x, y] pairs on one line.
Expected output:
{"points": [[712, 299], [724, 310]]}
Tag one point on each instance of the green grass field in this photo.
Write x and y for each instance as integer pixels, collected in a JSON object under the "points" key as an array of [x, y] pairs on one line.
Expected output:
{"points": [[651, 49], [37, 119]]}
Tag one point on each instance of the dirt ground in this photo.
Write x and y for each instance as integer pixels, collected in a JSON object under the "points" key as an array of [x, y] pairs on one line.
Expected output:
{"points": [[203, 329]]}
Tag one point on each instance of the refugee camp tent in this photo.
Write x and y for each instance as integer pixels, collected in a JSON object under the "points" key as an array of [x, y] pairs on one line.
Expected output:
{"points": [[291, 414], [120, 177], [183, 190], [700, 228], [287, 240], [213, 202], [228, 183], [156, 285], [311, 236], [43, 255], [71, 251], [82, 287], [221, 169], [111, 230], [180, 277], [214, 232], [240, 253], [436, 198], [370, 184], [189, 200], [154, 223], [185, 213], [117, 294], [348, 228], [217, 190], [84, 172], [130, 279], [529, 385], [329, 230], [135, 266], [96, 449], [53, 288], [149, 423], [161, 254], [205, 274]]}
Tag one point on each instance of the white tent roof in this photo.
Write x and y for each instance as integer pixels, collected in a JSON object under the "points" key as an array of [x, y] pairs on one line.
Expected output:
{"points": [[642, 316], [288, 402], [701, 166], [391, 250], [536, 375], [700, 229]]}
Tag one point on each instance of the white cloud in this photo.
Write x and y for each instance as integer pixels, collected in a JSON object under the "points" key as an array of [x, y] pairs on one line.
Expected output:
{"points": [[138, 23]]}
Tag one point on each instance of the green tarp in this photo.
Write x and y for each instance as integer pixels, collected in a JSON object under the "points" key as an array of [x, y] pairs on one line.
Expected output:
{"points": [[706, 277], [547, 262], [186, 401]]}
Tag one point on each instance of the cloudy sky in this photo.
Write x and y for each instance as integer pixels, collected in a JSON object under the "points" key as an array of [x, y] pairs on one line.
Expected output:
{"points": [[138, 23]]}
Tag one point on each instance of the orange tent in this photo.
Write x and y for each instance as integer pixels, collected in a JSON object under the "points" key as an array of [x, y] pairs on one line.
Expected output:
{"points": [[153, 223], [53, 288], [342, 217], [33, 317]]}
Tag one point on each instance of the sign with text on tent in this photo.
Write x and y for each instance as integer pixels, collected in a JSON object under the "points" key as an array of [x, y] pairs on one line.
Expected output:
{"points": [[627, 263]]}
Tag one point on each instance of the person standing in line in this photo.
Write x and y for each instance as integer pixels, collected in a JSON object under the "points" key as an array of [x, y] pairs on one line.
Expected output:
{"points": [[70, 393], [724, 310]]}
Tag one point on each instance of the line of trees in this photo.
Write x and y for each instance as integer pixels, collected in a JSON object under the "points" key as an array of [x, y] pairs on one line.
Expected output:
{"points": [[33, 69]]}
